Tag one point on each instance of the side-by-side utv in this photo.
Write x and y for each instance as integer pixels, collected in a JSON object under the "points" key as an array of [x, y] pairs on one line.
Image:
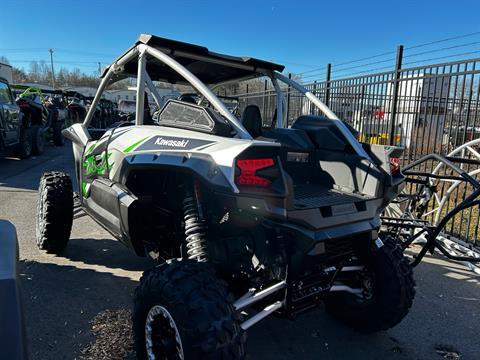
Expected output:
{"points": [[245, 221]]}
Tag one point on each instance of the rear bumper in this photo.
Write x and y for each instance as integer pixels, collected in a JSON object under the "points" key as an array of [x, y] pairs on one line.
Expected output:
{"points": [[335, 215], [362, 213], [12, 343]]}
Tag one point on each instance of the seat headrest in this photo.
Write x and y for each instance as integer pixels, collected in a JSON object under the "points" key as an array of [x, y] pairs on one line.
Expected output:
{"points": [[252, 120]]}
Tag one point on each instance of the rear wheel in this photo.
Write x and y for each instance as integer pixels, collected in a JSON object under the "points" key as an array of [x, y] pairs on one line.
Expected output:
{"points": [[182, 311], [58, 139], [389, 290], [37, 140], [54, 212], [24, 147]]}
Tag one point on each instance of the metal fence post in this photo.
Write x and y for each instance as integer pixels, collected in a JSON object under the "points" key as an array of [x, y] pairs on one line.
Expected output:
{"points": [[264, 98], [396, 84], [313, 108], [327, 84], [288, 99]]}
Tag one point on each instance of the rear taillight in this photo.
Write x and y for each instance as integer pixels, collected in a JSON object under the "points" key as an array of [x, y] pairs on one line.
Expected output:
{"points": [[394, 166], [249, 175]]}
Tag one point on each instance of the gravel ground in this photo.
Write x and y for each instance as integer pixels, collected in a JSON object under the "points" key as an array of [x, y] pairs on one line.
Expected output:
{"points": [[113, 336], [77, 305]]}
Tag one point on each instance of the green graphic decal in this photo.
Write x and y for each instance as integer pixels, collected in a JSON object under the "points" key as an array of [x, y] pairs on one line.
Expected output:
{"points": [[97, 164], [84, 189], [91, 148], [133, 146]]}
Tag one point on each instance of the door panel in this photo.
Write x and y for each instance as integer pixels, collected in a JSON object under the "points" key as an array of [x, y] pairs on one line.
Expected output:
{"points": [[100, 196], [10, 115]]}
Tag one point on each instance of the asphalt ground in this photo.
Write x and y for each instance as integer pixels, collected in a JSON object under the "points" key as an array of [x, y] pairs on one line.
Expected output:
{"points": [[81, 300]]}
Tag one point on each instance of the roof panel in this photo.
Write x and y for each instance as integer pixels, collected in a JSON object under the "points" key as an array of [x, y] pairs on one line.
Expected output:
{"points": [[210, 67]]}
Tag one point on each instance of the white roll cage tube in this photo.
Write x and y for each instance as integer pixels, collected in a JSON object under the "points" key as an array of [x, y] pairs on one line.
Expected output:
{"points": [[199, 86], [141, 72], [280, 103], [103, 84], [143, 79], [325, 109]]}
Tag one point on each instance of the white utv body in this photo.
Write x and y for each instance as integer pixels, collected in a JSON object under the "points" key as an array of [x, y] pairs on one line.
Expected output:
{"points": [[248, 220]]}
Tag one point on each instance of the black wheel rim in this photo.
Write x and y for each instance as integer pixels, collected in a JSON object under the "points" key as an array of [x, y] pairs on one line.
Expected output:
{"points": [[162, 338]]}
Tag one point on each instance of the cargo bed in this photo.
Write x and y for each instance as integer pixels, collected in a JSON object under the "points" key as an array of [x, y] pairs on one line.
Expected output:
{"points": [[308, 196]]}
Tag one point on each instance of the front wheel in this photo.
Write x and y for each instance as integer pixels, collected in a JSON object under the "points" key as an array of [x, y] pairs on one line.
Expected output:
{"points": [[389, 290], [182, 311], [54, 212]]}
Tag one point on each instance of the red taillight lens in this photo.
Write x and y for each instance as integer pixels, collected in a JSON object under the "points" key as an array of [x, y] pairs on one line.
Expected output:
{"points": [[248, 172], [394, 166]]}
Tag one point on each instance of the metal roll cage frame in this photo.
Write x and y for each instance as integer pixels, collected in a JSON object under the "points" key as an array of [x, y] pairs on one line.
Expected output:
{"points": [[143, 79], [421, 227]]}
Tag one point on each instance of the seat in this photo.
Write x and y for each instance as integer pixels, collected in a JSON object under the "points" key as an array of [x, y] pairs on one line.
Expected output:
{"points": [[252, 120]]}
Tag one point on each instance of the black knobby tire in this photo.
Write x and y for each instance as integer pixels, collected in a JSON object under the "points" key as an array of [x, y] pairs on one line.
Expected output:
{"points": [[200, 306], [54, 212], [37, 140], [392, 295], [58, 139], [24, 147]]}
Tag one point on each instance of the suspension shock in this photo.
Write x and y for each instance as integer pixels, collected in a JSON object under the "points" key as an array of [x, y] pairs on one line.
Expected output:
{"points": [[195, 230]]}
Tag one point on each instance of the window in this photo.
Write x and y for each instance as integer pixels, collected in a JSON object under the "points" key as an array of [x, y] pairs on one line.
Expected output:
{"points": [[5, 96], [126, 97]]}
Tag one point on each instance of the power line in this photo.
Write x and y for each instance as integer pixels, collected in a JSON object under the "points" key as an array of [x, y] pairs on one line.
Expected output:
{"points": [[443, 57], [61, 50], [24, 49], [86, 53], [367, 71], [408, 63], [313, 76], [358, 66], [393, 52], [57, 61], [444, 40], [411, 55], [442, 49], [351, 62]]}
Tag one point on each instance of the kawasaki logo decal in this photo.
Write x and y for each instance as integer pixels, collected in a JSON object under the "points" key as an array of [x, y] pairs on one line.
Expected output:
{"points": [[172, 143]]}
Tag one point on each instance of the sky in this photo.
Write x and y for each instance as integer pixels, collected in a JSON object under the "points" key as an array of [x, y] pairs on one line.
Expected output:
{"points": [[303, 35]]}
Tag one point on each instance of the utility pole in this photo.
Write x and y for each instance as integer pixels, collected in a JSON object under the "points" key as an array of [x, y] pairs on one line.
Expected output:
{"points": [[99, 68], [51, 63]]}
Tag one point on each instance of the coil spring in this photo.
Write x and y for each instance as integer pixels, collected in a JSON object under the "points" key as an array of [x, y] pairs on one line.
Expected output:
{"points": [[194, 231]]}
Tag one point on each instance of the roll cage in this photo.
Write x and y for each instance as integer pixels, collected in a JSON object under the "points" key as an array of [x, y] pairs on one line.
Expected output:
{"points": [[177, 62]]}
